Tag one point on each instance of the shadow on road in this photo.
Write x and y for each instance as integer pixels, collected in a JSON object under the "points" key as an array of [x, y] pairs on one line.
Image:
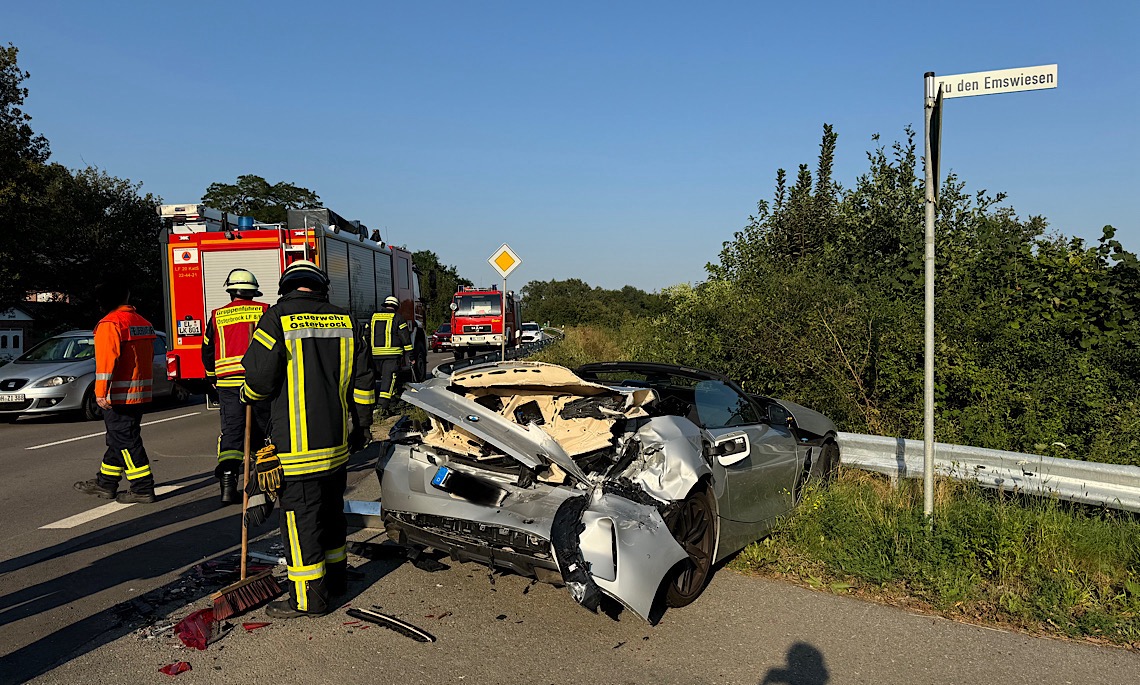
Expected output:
{"points": [[805, 667], [192, 547]]}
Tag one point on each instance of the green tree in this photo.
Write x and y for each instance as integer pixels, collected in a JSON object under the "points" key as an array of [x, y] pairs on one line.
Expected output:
{"points": [[438, 283], [22, 156], [254, 196]]}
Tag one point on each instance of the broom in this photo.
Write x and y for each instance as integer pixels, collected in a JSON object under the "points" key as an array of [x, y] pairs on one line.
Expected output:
{"points": [[247, 593]]}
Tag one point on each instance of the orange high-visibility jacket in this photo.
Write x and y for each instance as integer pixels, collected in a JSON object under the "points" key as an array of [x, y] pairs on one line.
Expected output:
{"points": [[228, 335], [124, 354]]}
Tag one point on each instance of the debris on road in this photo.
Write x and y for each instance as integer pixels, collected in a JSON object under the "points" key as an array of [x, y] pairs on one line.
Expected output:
{"points": [[175, 668], [251, 626], [200, 629], [392, 623]]}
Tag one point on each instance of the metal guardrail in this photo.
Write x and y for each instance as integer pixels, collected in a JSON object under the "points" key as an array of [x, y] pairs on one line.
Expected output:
{"points": [[523, 350], [1110, 485]]}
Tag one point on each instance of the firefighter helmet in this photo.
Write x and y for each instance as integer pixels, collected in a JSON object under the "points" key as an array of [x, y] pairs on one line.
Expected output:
{"points": [[391, 301], [303, 273], [243, 281]]}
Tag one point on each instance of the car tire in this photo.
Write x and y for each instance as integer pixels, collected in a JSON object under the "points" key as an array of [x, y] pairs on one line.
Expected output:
{"points": [[91, 409], [693, 524], [822, 470]]}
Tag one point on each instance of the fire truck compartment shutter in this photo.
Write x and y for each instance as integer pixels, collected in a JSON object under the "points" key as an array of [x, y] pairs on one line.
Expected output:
{"points": [[265, 264], [336, 265], [383, 275], [362, 269]]}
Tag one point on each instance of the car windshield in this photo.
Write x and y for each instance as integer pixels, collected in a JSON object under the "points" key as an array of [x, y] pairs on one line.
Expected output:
{"points": [[444, 328], [61, 349], [530, 327], [478, 305]]}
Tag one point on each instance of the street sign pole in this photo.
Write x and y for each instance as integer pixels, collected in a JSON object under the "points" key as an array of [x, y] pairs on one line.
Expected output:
{"points": [[935, 90], [930, 97], [503, 342]]}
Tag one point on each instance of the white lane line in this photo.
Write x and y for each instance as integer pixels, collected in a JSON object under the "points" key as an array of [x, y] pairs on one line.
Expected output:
{"points": [[99, 512], [95, 435]]}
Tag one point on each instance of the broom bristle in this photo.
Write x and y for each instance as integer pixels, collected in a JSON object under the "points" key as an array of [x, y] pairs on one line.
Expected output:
{"points": [[245, 595]]}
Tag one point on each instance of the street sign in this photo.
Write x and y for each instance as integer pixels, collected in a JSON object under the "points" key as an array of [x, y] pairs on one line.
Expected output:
{"points": [[504, 260], [999, 81]]}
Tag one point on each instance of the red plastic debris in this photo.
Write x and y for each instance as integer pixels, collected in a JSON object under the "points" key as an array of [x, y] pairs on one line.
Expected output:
{"points": [[254, 625], [197, 629], [175, 668], [351, 623]]}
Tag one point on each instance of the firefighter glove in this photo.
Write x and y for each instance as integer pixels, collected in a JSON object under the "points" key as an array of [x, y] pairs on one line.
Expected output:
{"points": [[269, 471], [359, 438]]}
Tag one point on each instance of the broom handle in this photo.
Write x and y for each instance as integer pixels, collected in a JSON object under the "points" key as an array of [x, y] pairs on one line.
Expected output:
{"points": [[245, 493]]}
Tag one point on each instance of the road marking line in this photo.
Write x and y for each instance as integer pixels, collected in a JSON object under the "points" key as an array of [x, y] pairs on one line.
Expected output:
{"points": [[95, 435], [99, 512]]}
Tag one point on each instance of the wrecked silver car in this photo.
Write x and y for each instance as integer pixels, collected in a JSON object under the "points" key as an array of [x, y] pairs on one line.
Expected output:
{"points": [[623, 479]]}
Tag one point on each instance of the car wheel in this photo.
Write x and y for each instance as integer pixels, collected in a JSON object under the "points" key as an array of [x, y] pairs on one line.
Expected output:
{"points": [[91, 409], [822, 469], [693, 524]]}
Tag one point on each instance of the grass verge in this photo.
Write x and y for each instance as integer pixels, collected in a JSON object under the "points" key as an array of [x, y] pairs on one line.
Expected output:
{"points": [[1032, 564]]}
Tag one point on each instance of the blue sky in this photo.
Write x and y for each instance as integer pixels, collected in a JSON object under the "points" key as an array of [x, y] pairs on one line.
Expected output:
{"points": [[614, 142]]}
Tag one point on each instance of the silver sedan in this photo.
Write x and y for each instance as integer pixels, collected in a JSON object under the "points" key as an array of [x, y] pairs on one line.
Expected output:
{"points": [[58, 375]]}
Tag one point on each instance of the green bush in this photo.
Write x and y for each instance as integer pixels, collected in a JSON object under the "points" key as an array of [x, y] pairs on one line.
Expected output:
{"points": [[1035, 563]]}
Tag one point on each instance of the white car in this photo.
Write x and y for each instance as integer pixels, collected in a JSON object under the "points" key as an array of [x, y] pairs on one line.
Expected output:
{"points": [[58, 375], [532, 332]]}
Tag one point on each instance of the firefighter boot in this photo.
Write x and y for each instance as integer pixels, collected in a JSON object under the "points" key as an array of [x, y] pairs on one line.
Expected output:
{"points": [[336, 578], [228, 482], [92, 487], [132, 497]]}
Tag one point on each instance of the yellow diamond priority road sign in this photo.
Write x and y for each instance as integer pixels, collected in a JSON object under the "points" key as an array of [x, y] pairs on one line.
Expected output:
{"points": [[504, 260]]}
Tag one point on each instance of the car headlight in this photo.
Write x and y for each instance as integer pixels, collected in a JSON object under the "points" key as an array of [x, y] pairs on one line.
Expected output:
{"points": [[55, 381]]}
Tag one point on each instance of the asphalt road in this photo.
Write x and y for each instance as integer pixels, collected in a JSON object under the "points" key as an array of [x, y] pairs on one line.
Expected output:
{"points": [[73, 597]]}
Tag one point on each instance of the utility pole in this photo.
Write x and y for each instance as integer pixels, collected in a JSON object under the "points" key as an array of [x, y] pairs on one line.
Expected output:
{"points": [[930, 101]]}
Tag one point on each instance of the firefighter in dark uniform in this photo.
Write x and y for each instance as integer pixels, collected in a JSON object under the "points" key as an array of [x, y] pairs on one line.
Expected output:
{"points": [[306, 360], [391, 343], [124, 366], [228, 335]]}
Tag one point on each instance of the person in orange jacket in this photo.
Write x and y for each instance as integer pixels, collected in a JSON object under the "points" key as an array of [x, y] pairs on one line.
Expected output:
{"points": [[124, 354]]}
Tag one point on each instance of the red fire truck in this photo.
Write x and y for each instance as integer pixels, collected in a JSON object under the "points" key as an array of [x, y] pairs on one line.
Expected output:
{"points": [[481, 317], [201, 245]]}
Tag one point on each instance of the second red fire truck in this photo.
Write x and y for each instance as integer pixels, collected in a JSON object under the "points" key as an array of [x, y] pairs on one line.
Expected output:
{"points": [[482, 319]]}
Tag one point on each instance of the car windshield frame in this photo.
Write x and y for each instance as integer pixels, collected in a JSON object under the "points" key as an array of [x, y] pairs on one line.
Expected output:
{"points": [[69, 344], [530, 328], [465, 305]]}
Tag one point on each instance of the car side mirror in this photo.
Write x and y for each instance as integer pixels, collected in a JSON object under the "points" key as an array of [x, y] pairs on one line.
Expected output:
{"points": [[732, 448], [454, 306]]}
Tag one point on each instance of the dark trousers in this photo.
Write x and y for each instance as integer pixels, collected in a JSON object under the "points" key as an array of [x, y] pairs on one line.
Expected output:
{"points": [[387, 369], [313, 530], [125, 455], [231, 441]]}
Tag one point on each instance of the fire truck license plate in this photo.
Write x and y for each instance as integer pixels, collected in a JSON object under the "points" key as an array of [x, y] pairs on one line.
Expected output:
{"points": [[190, 327]]}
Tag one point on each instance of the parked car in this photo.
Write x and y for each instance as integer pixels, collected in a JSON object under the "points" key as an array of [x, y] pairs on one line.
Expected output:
{"points": [[58, 375], [624, 479], [441, 339], [532, 332]]}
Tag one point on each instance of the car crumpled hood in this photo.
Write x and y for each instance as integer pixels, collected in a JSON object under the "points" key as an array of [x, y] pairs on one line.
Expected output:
{"points": [[518, 442]]}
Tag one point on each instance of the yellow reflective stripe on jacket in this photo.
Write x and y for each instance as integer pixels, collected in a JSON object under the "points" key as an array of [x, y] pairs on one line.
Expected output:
{"points": [[313, 461], [264, 338], [251, 394], [231, 382]]}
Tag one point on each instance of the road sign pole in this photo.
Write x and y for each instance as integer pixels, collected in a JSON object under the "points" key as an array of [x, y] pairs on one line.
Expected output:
{"points": [[503, 342], [928, 356]]}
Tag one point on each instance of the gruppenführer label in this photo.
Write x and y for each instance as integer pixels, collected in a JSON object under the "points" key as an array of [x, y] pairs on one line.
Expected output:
{"points": [[1000, 81]]}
